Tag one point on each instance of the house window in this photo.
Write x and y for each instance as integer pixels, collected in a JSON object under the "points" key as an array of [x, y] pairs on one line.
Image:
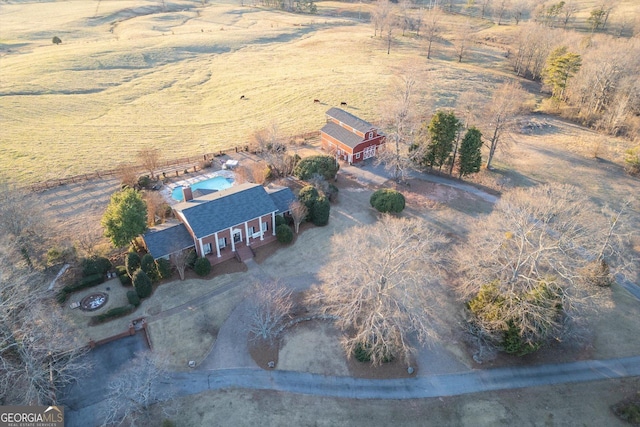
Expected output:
{"points": [[207, 248], [252, 230], [370, 135], [265, 226], [357, 155], [222, 243]]}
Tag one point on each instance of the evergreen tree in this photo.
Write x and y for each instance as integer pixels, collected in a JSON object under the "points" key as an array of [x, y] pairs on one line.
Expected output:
{"points": [[470, 152], [561, 66], [442, 132], [125, 217]]}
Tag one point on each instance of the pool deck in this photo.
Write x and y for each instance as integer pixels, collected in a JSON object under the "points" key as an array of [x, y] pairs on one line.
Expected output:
{"points": [[168, 188]]}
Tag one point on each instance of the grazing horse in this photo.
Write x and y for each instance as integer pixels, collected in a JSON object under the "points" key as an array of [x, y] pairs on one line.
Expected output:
{"points": [[343, 104], [242, 97], [316, 101]]}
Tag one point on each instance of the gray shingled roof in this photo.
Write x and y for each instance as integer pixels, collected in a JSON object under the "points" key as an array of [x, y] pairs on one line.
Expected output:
{"points": [[350, 119], [223, 209], [282, 198], [341, 134], [165, 241]]}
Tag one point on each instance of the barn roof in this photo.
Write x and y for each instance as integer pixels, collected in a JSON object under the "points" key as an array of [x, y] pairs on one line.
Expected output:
{"points": [[224, 209], [165, 240], [350, 120], [341, 134]]}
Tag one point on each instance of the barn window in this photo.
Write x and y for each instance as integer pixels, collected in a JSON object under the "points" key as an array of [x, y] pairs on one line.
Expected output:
{"points": [[370, 135], [357, 155]]}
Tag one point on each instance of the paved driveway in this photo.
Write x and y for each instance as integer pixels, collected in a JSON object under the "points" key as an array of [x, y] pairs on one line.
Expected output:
{"points": [[81, 399]]}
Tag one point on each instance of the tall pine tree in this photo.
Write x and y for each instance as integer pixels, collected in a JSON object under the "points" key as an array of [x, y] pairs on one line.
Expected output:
{"points": [[470, 157], [442, 132]]}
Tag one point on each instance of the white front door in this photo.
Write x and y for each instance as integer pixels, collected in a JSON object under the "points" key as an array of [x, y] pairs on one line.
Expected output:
{"points": [[237, 235]]}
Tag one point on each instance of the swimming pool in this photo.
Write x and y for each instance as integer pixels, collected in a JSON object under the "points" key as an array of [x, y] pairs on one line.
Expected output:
{"points": [[215, 183]]}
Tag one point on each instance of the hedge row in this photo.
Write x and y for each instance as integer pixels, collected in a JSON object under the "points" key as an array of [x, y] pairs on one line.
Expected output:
{"points": [[112, 314], [87, 282]]}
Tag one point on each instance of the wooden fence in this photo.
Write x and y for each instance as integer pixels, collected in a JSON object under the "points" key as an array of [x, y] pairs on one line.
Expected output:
{"points": [[110, 173]]}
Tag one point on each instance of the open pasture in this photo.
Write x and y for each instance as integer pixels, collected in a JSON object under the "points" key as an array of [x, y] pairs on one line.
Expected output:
{"points": [[129, 75]]}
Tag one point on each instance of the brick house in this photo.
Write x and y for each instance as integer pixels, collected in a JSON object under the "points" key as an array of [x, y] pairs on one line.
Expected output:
{"points": [[221, 225], [349, 137]]}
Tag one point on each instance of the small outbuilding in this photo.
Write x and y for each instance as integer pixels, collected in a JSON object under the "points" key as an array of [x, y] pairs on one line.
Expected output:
{"points": [[350, 138]]}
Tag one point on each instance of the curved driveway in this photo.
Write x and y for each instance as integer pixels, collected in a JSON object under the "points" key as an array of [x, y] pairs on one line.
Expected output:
{"points": [[188, 383]]}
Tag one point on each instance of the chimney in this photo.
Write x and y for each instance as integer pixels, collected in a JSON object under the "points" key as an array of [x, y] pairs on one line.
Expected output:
{"points": [[187, 194]]}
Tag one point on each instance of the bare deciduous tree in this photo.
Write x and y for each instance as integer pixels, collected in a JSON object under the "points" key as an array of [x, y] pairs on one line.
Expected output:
{"points": [[128, 174], [150, 159], [134, 389], [379, 15], [298, 212], [270, 305], [432, 27], [272, 147], [155, 207], [181, 259], [38, 352], [532, 47], [534, 245], [388, 292], [23, 225], [500, 113], [399, 122], [463, 40]]}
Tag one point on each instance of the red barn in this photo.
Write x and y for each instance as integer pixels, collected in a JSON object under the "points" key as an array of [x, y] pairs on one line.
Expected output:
{"points": [[348, 137]]}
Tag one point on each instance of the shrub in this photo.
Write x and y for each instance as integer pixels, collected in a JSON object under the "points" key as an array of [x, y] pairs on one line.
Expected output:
{"points": [[121, 270], [308, 196], [323, 165], [125, 280], [362, 353], [112, 314], [95, 265], [144, 181], [192, 258], [164, 268], [56, 40], [320, 211], [202, 266], [57, 255], [132, 263], [133, 298], [142, 284], [632, 161], [280, 220], [86, 282], [284, 233], [628, 409], [148, 264], [387, 200]]}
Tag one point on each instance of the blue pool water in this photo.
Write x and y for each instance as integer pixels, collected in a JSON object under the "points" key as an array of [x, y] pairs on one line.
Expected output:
{"points": [[216, 183]]}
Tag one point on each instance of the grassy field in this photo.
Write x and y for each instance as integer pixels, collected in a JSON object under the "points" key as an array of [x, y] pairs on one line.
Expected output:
{"points": [[130, 75]]}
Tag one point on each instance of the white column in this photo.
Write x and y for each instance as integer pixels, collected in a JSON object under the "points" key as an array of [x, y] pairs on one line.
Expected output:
{"points": [[261, 230], [201, 247], [217, 244], [246, 232], [273, 223]]}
